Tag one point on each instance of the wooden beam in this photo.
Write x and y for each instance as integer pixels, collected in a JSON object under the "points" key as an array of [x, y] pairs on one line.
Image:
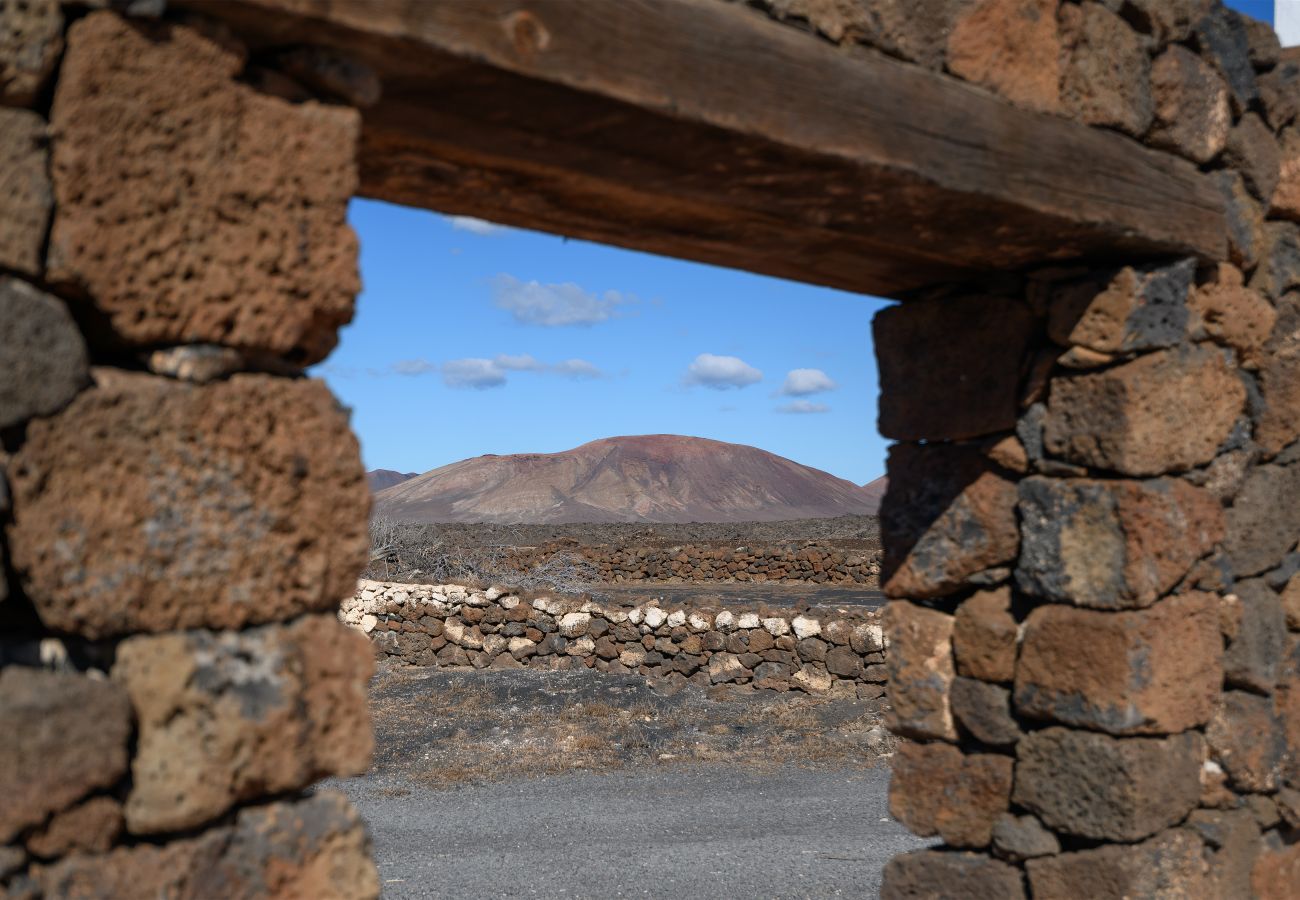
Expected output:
{"points": [[702, 129]]}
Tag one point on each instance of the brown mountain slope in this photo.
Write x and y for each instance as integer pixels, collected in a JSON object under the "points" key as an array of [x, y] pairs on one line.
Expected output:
{"points": [[874, 491], [648, 478], [378, 479]]}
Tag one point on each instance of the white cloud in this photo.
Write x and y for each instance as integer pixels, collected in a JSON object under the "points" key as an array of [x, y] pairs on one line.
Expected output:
{"points": [[803, 407], [552, 305], [805, 382], [479, 374], [475, 226], [577, 368], [721, 372], [414, 367]]}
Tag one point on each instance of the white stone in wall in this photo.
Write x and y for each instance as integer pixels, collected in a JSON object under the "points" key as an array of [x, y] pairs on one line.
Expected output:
{"points": [[583, 646], [574, 623], [654, 617], [698, 621], [725, 621], [636, 615], [453, 631], [368, 623], [632, 657], [516, 644], [617, 616], [400, 597], [493, 644], [776, 627], [493, 592], [804, 627], [812, 680], [747, 620], [677, 618], [508, 602]]}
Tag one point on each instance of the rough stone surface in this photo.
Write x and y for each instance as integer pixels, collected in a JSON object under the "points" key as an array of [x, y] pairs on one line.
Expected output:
{"points": [[915, 30], [1105, 788], [1279, 93], [61, 737], [1163, 412], [953, 876], [1134, 309], [90, 827], [1256, 631], [1278, 422], [231, 716], [1253, 151], [964, 392], [1107, 73], [984, 636], [1286, 196], [984, 710], [316, 847], [1243, 217], [1264, 521], [938, 790], [1192, 114], [1018, 838], [1112, 544], [1222, 39], [1276, 871], [42, 354], [1233, 840], [1155, 671], [1012, 47], [1279, 267], [191, 208], [126, 501], [1233, 315], [950, 514], [920, 671], [25, 185], [1245, 738], [1287, 700], [31, 38], [1168, 865]]}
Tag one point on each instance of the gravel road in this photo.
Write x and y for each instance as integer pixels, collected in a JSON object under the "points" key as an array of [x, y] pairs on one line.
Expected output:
{"points": [[704, 832]]}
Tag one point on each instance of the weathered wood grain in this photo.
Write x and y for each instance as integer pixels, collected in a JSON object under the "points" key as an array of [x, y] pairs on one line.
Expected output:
{"points": [[701, 129]]}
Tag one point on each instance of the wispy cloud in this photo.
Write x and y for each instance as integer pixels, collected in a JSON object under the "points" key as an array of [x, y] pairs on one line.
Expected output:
{"points": [[806, 382], [480, 373], [524, 362], [578, 369], [555, 305], [414, 367], [721, 372], [803, 408], [476, 226]]}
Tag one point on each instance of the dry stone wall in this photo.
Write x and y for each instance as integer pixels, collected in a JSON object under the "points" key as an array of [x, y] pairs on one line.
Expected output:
{"points": [[182, 511], [458, 627]]}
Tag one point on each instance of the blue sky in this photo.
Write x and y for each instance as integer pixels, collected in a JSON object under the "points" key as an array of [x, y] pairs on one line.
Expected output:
{"points": [[472, 339]]}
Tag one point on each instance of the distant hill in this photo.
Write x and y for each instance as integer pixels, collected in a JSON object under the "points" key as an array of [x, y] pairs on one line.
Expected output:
{"points": [[647, 478], [378, 479], [875, 492]]}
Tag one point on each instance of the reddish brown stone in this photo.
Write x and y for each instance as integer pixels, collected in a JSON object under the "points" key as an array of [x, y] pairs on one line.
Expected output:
{"points": [[1291, 602], [952, 876], [42, 354], [914, 30], [1157, 671], [984, 710], [61, 737], [1278, 422], [938, 790], [1276, 871], [90, 827], [312, 848], [1170, 21], [31, 38], [1107, 73], [1192, 114], [125, 504], [1232, 841], [920, 671], [1286, 196], [966, 391], [191, 208], [1243, 217], [984, 636], [25, 185], [1163, 412], [950, 514], [1232, 315], [1112, 544], [1113, 789], [1253, 151], [233, 716], [1287, 705], [1245, 738], [1171, 864], [1279, 266], [1142, 308], [1012, 47]]}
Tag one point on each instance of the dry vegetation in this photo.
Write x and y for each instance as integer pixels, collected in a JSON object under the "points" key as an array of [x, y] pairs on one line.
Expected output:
{"points": [[442, 728]]}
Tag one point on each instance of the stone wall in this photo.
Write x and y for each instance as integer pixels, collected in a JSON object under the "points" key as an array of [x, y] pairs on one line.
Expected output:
{"points": [[458, 627], [1090, 531], [810, 563], [182, 510]]}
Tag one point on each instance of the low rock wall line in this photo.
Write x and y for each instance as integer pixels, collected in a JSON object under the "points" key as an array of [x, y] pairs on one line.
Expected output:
{"points": [[457, 626], [812, 563]]}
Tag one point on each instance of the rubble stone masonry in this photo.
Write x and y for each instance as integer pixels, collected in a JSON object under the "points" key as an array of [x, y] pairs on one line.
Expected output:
{"points": [[1089, 537]]}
